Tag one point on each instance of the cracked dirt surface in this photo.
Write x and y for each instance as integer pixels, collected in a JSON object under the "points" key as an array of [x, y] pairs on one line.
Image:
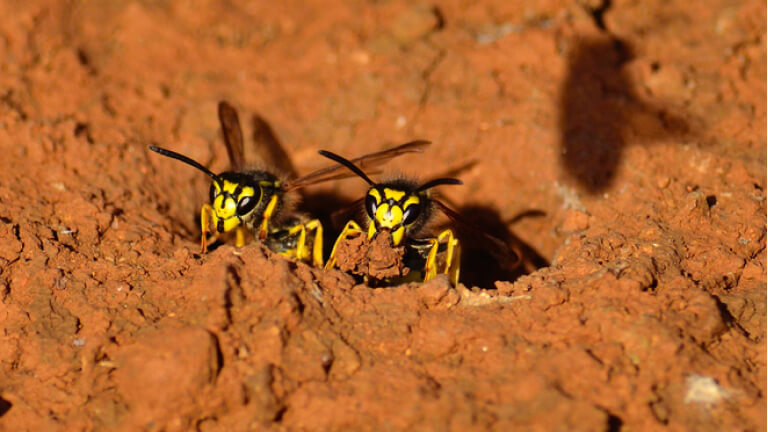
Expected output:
{"points": [[620, 146]]}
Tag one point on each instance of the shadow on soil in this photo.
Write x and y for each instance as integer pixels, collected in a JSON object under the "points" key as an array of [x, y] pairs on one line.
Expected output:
{"points": [[482, 264], [5, 406], [600, 114]]}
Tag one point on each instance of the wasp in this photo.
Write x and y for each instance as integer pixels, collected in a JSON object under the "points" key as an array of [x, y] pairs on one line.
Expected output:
{"points": [[261, 200], [401, 209]]}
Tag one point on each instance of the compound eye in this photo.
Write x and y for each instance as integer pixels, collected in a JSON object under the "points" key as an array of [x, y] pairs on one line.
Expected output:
{"points": [[370, 206], [246, 205], [213, 193], [411, 213]]}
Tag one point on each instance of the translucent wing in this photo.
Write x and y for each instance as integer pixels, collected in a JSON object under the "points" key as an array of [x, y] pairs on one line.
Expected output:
{"points": [[233, 135], [269, 149], [350, 212], [366, 162]]}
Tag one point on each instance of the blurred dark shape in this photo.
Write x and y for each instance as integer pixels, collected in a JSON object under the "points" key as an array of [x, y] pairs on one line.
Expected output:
{"points": [[5, 406], [526, 214], [597, 110], [457, 171]]}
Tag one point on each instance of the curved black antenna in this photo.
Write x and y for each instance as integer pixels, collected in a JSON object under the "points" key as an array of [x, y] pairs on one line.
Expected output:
{"points": [[438, 182], [348, 164], [186, 160]]}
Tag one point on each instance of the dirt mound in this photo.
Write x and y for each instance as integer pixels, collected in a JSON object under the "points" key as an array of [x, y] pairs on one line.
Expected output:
{"points": [[620, 148], [376, 258]]}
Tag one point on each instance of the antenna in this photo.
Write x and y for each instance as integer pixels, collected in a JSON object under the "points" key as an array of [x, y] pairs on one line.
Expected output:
{"points": [[348, 164], [186, 160], [437, 182]]}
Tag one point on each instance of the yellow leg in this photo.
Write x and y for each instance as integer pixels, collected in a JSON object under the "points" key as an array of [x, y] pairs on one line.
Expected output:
{"points": [[301, 253], [430, 268], [300, 242], [205, 214], [350, 228], [268, 212], [452, 257], [317, 244], [240, 236]]}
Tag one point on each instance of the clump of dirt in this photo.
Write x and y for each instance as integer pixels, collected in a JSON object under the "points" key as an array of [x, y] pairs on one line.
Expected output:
{"points": [[619, 146], [377, 258]]}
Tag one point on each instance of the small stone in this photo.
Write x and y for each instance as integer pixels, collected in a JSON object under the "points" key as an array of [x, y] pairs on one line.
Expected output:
{"points": [[704, 390], [414, 24], [434, 291], [753, 271], [165, 369], [575, 220]]}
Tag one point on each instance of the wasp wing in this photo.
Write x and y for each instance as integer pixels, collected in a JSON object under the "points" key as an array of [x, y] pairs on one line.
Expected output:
{"points": [[233, 135], [366, 162], [350, 212], [269, 149]]}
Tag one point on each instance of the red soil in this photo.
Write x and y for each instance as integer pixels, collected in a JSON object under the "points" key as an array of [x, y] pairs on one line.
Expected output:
{"points": [[621, 147]]}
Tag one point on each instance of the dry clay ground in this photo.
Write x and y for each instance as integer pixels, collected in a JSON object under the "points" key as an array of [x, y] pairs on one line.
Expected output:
{"points": [[620, 145]]}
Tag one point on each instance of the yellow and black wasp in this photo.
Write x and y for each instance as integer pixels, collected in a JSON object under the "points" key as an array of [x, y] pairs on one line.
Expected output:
{"points": [[261, 201], [402, 208]]}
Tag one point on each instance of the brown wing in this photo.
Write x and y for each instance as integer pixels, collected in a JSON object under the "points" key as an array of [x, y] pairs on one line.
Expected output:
{"points": [[497, 247], [350, 212], [233, 135], [366, 162], [269, 149]]}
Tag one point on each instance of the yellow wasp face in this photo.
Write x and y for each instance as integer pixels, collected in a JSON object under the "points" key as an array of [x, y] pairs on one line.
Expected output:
{"points": [[234, 198], [393, 209]]}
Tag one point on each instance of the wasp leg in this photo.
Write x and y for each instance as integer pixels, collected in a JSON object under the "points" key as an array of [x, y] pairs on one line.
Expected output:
{"points": [[240, 236], [430, 268], [205, 219], [301, 252], [268, 212], [452, 257], [350, 228], [317, 243]]}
